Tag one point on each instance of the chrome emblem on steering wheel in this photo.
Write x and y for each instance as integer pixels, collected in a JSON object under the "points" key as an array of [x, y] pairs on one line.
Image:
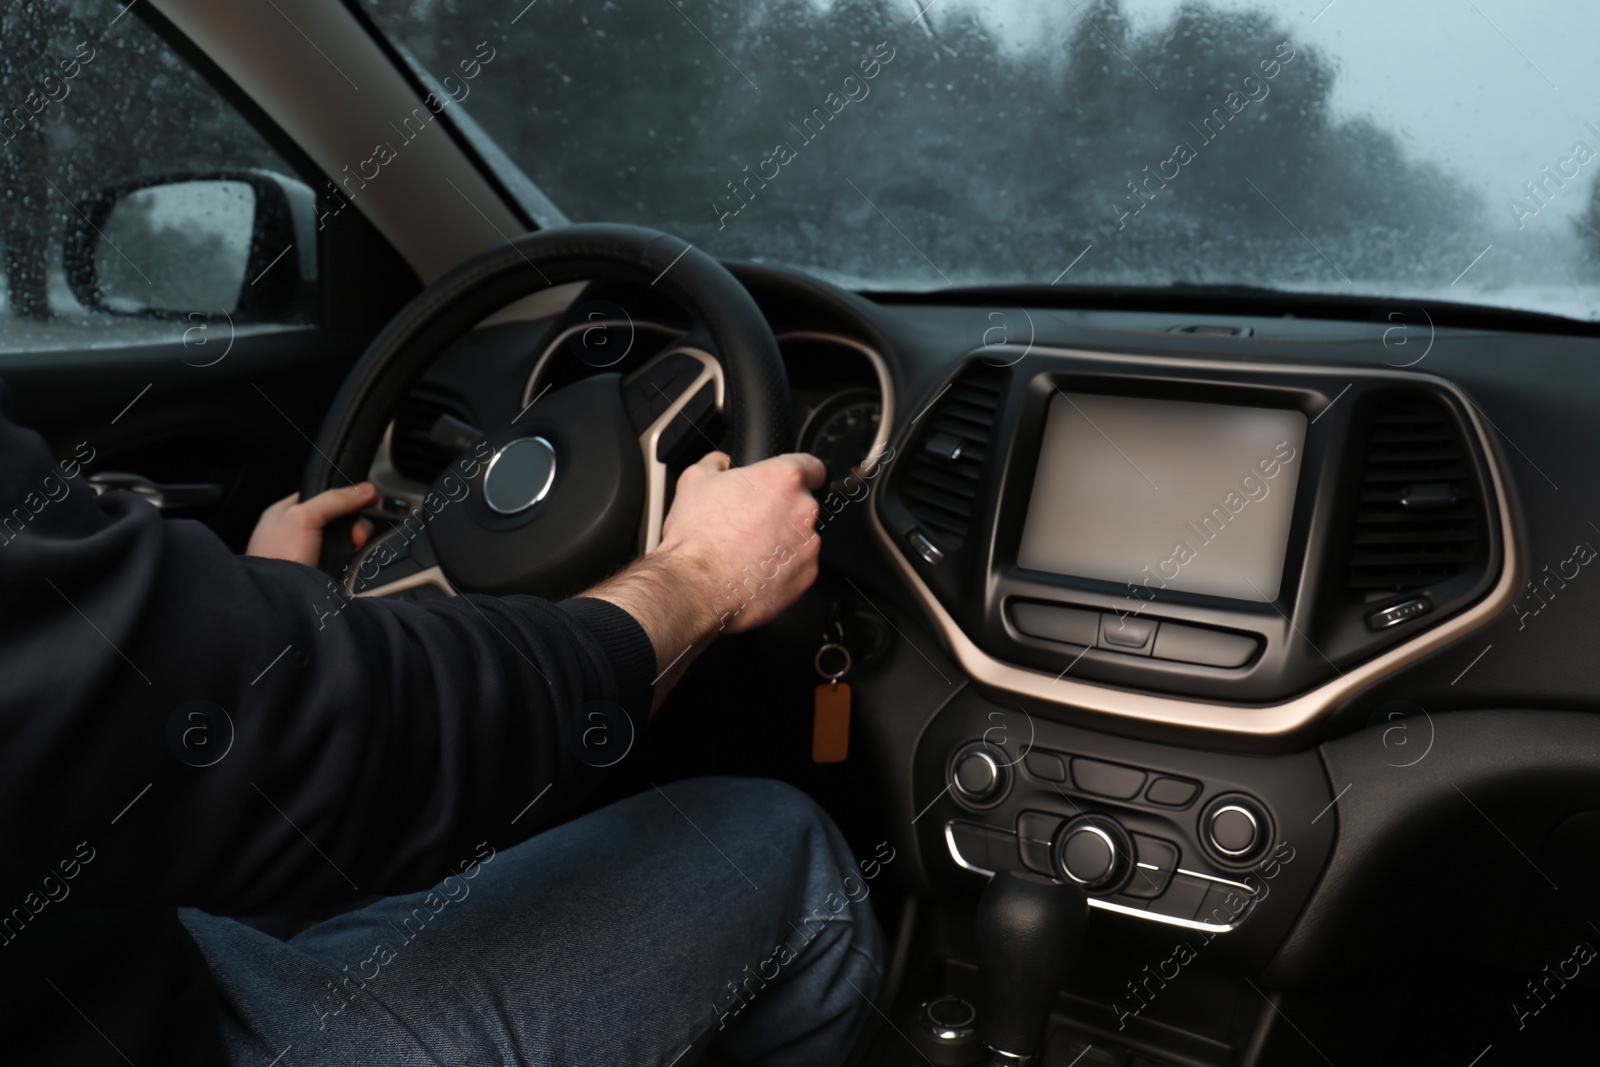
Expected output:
{"points": [[519, 475]]}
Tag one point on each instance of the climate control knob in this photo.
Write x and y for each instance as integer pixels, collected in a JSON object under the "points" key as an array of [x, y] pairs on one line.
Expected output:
{"points": [[977, 775], [1094, 851], [1234, 828]]}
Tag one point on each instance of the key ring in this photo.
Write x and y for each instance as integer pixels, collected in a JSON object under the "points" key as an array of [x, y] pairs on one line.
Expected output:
{"points": [[842, 671]]}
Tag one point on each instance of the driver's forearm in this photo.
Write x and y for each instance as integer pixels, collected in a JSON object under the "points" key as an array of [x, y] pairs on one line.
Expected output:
{"points": [[197, 720], [674, 599]]}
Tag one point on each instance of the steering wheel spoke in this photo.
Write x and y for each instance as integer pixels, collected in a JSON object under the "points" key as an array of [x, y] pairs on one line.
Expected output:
{"points": [[670, 401], [399, 564]]}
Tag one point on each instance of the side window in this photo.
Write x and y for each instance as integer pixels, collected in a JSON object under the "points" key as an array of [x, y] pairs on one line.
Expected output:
{"points": [[135, 203]]}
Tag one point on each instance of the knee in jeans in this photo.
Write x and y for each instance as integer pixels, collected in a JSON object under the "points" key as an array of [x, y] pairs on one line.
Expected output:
{"points": [[758, 813], [786, 813], [775, 805]]}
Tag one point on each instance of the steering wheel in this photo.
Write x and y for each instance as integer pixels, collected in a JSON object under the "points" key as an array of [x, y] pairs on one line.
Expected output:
{"points": [[575, 484]]}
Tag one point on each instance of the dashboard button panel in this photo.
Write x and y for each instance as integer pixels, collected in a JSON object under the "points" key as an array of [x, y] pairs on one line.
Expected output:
{"points": [[1182, 898], [1111, 780], [1172, 792], [980, 849], [1035, 831], [1127, 633], [1185, 897], [1168, 865], [1046, 766], [1135, 635], [1395, 614], [1203, 645], [1155, 861], [923, 546], [1070, 626], [1222, 902]]}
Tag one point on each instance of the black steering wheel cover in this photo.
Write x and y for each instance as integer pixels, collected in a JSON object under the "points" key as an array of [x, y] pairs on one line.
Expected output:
{"points": [[757, 403]]}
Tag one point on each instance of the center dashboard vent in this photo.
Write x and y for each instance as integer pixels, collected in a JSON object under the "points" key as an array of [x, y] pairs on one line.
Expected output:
{"points": [[1420, 514], [941, 483]]}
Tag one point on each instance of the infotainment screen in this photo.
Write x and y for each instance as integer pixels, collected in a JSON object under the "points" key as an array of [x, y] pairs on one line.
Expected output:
{"points": [[1165, 494]]}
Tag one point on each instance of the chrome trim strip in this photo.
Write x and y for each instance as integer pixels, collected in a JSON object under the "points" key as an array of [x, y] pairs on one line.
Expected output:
{"points": [[528, 393], [387, 480], [1273, 720], [1218, 879], [1255, 827], [955, 853], [431, 576], [655, 471], [1111, 905], [880, 368], [1169, 920], [544, 490]]}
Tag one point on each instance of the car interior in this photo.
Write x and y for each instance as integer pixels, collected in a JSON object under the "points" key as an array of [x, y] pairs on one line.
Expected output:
{"points": [[1209, 608]]}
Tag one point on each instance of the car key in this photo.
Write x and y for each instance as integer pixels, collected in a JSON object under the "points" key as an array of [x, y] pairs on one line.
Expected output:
{"points": [[830, 728]]}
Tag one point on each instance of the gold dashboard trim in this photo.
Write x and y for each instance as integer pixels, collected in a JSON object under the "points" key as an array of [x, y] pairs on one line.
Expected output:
{"points": [[1270, 720], [874, 358], [880, 369]]}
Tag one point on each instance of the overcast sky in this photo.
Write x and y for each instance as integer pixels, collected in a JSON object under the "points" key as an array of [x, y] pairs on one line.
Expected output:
{"points": [[1489, 89]]}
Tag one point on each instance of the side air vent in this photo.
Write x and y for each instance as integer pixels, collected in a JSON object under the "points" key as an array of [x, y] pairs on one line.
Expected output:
{"points": [[414, 449], [1420, 517], [941, 483]]}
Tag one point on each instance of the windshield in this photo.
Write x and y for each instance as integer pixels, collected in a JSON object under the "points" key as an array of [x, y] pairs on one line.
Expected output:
{"points": [[1431, 150]]}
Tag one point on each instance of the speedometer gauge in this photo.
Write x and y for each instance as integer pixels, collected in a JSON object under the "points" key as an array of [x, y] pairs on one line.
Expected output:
{"points": [[841, 430]]}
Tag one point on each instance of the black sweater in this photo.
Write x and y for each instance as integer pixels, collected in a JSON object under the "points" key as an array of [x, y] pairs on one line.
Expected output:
{"points": [[395, 736]]}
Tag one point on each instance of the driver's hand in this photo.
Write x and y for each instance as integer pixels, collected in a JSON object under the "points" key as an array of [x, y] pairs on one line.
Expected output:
{"points": [[292, 530], [750, 531]]}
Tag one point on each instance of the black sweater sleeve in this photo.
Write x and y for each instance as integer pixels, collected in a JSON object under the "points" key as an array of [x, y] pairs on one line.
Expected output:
{"points": [[362, 747]]}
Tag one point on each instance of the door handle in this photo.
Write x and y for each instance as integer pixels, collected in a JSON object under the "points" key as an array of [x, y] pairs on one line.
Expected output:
{"points": [[166, 497]]}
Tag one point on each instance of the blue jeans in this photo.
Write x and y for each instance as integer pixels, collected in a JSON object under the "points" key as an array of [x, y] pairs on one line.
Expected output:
{"points": [[718, 910]]}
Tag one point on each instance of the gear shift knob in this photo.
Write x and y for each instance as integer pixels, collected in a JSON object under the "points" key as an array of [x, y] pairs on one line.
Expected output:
{"points": [[1029, 931]]}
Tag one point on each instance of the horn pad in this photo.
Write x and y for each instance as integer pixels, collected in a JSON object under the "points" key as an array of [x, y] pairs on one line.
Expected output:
{"points": [[552, 501]]}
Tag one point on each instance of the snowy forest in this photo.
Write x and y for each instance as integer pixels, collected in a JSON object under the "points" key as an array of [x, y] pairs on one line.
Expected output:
{"points": [[1204, 149]]}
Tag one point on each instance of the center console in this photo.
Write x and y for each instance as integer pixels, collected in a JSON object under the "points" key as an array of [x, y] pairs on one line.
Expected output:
{"points": [[1150, 536], [1160, 574], [1235, 546], [1202, 842]]}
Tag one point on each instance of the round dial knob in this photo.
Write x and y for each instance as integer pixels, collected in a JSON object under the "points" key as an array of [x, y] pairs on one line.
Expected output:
{"points": [[1234, 828], [949, 1018], [977, 775], [947, 1033], [1094, 852]]}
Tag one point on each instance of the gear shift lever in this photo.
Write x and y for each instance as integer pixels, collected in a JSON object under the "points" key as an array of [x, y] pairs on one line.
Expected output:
{"points": [[1029, 930]]}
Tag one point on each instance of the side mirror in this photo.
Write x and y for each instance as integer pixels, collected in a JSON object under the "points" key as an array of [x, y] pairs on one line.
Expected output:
{"points": [[240, 244]]}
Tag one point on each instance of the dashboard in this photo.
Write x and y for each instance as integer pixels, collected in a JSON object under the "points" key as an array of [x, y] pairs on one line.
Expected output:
{"points": [[1135, 572]]}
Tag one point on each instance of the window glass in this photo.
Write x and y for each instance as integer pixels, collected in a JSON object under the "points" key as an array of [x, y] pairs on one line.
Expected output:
{"points": [[112, 147], [1428, 148]]}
